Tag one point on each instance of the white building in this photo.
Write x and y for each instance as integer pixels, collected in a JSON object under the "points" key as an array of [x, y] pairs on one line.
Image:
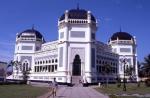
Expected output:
{"points": [[125, 45], [75, 55]]}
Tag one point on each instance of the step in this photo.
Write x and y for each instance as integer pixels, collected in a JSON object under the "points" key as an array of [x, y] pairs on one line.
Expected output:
{"points": [[76, 81]]}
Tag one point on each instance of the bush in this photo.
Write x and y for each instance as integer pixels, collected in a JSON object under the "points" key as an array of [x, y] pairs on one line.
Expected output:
{"points": [[147, 82]]}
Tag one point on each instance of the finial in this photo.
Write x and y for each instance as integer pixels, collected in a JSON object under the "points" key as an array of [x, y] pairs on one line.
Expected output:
{"points": [[77, 6], [32, 26], [120, 29]]}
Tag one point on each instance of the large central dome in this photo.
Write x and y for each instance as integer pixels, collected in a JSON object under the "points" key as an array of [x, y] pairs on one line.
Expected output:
{"points": [[77, 14]]}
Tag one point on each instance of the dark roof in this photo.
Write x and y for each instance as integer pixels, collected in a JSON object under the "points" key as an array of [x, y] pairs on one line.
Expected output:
{"points": [[33, 31], [121, 36], [77, 14]]}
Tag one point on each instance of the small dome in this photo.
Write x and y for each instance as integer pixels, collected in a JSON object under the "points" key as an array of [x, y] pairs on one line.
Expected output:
{"points": [[121, 36], [31, 32], [77, 14]]}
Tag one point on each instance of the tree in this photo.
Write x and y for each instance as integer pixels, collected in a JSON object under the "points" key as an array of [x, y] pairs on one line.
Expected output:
{"points": [[25, 75], [129, 71], [146, 66], [18, 67], [106, 71]]}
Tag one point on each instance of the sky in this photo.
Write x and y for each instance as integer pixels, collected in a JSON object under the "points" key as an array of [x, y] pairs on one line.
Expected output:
{"points": [[133, 16]]}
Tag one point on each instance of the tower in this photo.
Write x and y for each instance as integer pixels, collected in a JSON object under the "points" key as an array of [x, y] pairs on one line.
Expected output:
{"points": [[76, 28], [125, 46], [27, 42]]}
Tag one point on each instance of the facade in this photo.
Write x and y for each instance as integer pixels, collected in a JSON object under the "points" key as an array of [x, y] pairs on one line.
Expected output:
{"points": [[76, 55]]}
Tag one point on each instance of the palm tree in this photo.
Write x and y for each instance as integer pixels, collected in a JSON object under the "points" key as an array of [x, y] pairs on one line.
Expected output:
{"points": [[146, 66], [140, 69]]}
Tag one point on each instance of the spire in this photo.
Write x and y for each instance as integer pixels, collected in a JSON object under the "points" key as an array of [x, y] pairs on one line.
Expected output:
{"points": [[32, 26], [120, 29], [77, 6]]}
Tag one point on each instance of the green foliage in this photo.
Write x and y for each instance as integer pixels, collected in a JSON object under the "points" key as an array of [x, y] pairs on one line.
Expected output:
{"points": [[147, 82], [118, 82], [146, 67]]}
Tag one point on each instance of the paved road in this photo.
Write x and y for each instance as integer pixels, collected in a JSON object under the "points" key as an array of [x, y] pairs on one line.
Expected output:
{"points": [[76, 92]]}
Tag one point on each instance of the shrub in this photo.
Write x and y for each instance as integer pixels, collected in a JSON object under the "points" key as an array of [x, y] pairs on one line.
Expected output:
{"points": [[147, 82]]}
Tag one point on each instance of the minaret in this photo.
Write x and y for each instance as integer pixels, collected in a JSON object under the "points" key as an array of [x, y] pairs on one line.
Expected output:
{"points": [[76, 28]]}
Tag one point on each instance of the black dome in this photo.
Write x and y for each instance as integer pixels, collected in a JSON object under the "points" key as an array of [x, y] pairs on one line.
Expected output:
{"points": [[121, 36], [77, 14], [32, 31]]}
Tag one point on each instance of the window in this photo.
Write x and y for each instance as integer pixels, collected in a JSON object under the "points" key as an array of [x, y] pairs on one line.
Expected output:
{"points": [[61, 57], [25, 66], [93, 35], [37, 68], [99, 61], [40, 62], [49, 68], [55, 67], [125, 50], [49, 61], [40, 68], [52, 68], [52, 60], [93, 57], [27, 47], [43, 62], [55, 60], [77, 34]]}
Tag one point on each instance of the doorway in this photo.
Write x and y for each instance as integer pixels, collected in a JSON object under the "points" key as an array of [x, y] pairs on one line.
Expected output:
{"points": [[76, 66]]}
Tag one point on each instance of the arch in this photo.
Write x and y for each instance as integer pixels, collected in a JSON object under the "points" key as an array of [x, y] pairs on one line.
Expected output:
{"points": [[25, 65], [76, 71]]}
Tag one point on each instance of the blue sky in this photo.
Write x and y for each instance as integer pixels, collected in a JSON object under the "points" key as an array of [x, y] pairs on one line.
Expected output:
{"points": [[18, 15]]}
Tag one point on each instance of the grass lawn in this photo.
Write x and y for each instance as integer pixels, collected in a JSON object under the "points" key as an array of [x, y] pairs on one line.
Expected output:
{"points": [[131, 89], [21, 91]]}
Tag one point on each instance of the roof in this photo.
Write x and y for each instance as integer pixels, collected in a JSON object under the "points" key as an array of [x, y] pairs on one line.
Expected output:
{"points": [[77, 14], [121, 36], [32, 31]]}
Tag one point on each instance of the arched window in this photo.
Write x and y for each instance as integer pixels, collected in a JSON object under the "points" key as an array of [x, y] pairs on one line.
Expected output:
{"points": [[25, 65]]}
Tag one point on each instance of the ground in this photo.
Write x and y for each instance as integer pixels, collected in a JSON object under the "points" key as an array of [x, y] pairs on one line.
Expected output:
{"points": [[21, 91], [27, 91], [75, 92], [132, 90]]}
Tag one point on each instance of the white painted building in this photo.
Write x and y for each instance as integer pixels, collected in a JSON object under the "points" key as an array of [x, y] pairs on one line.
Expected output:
{"points": [[125, 45], [75, 55]]}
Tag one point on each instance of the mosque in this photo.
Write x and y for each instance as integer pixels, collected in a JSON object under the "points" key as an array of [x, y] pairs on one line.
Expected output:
{"points": [[76, 55]]}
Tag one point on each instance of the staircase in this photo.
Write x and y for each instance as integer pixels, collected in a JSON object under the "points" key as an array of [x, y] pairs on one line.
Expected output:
{"points": [[76, 80]]}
